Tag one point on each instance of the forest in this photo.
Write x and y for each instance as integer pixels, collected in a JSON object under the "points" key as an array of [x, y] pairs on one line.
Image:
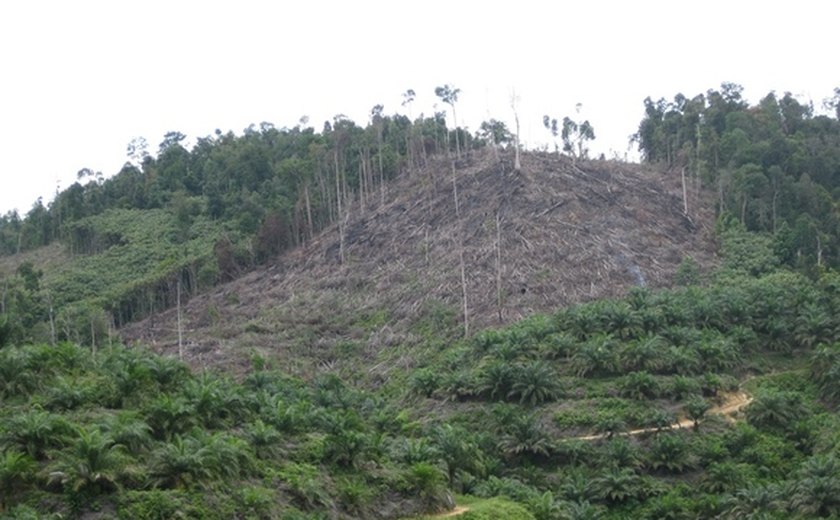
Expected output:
{"points": [[612, 408]]}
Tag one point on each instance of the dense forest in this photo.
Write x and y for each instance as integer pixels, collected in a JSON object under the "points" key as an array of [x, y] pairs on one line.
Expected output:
{"points": [[774, 165], [716, 398]]}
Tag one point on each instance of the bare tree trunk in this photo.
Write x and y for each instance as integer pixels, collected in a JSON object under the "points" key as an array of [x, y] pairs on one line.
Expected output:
{"points": [[362, 180], [92, 339], [457, 144], [499, 264], [517, 165], [381, 170], [308, 210], [180, 330], [338, 206], [685, 195], [819, 250], [52, 318], [461, 256]]}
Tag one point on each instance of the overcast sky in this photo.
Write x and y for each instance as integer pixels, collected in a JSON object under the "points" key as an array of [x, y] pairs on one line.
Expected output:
{"points": [[80, 79]]}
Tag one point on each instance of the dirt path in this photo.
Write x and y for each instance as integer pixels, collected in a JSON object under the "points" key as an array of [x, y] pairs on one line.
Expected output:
{"points": [[732, 403], [459, 510]]}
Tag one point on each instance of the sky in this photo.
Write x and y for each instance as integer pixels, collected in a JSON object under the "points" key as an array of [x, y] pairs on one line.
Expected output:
{"points": [[79, 80]]}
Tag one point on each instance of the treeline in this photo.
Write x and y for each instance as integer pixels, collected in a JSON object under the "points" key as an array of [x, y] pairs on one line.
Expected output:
{"points": [[184, 219], [775, 166], [281, 184]]}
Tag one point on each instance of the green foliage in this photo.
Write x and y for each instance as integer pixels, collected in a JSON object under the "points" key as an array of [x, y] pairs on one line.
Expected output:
{"points": [[772, 165]]}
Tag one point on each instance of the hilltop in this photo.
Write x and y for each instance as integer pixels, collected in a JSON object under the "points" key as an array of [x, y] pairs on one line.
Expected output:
{"points": [[569, 232]]}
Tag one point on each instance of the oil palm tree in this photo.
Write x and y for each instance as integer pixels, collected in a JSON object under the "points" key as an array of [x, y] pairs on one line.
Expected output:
{"points": [[16, 470], [525, 437], [753, 503], [817, 488], [34, 432], [534, 383], [93, 463], [775, 409], [618, 485]]}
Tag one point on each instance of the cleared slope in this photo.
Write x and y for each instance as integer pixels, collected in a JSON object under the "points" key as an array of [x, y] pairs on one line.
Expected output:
{"points": [[569, 233]]}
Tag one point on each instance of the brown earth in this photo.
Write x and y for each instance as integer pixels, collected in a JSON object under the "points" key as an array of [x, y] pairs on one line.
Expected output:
{"points": [[732, 403], [568, 233]]}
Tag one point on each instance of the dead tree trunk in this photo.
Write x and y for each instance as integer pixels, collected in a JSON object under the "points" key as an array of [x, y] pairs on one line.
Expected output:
{"points": [[499, 264], [338, 209], [180, 329], [461, 255], [517, 165]]}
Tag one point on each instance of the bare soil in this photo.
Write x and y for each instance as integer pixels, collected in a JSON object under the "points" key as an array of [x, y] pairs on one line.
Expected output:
{"points": [[732, 403], [569, 232]]}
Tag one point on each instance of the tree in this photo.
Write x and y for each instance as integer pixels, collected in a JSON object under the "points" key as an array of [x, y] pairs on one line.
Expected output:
{"points": [[774, 409], [449, 95], [618, 485], [696, 408], [93, 463], [16, 470], [816, 491], [524, 436], [575, 134], [534, 383]]}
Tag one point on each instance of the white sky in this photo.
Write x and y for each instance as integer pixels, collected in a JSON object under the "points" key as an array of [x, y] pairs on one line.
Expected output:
{"points": [[80, 79]]}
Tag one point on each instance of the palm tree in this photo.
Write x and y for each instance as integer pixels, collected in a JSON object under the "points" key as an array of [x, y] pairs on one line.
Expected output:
{"points": [[544, 506], [496, 380], [774, 409], [825, 369], [129, 430], [618, 485], [34, 432], [644, 353], [581, 511], [812, 326], [429, 483], [411, 451], [753, 503], [264, 438], [525, 437], [639, 385], [16, 470], [669, 452], [696, 408], [817, 488], [597, 356], [727, 476], [169, 415], [15, 376], [683, 387], [559, 345], [93, 463], [621, 452], [168, 372], [610, 425], [622, 321], [535, 383], [457, 450], [181, 462]]}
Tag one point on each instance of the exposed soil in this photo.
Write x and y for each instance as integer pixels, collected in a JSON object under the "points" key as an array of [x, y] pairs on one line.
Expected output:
{"points": [[459, 510], [568, 233], [732, 403]]}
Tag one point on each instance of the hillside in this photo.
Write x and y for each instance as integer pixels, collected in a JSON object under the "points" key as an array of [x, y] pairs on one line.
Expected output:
{"points": [[569, 233]]}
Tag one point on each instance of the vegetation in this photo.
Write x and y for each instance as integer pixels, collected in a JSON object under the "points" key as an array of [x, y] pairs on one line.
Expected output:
{"points": [[609, 409]]}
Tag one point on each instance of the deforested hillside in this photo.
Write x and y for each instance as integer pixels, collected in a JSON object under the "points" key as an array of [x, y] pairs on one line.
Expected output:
{"points": [[555, 233]]}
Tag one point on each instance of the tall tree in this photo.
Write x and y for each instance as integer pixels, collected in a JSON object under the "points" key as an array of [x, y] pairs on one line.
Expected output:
{"points": [[449, 95]]}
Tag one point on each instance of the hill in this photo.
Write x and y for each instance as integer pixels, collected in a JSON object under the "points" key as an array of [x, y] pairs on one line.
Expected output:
{"points": [[569, 232]]}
